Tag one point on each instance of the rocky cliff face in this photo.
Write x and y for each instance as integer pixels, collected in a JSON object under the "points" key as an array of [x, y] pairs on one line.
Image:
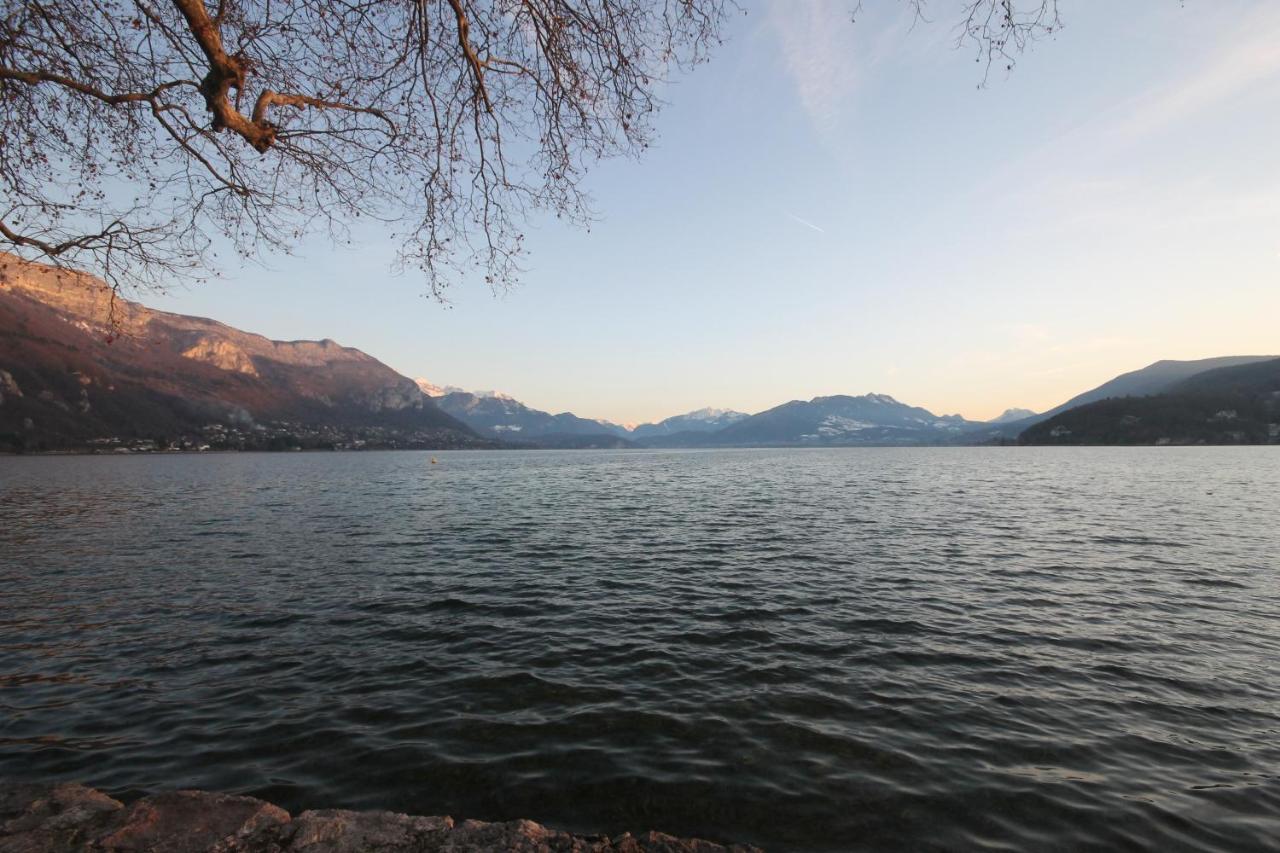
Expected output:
{"points": [[68, 817], [221, 353], [90, 364]]}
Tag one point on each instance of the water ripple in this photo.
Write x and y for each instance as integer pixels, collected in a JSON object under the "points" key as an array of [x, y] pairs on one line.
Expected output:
{"points": [[808, 650]]}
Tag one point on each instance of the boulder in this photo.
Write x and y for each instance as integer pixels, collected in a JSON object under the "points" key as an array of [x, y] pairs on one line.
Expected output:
{"points": [[37, 818], [198, 822], [71, 818], [338, 831]]}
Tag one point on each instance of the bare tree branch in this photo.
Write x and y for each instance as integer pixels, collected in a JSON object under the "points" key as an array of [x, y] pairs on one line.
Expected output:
{"points": [[138, 135], [1000, 30]]}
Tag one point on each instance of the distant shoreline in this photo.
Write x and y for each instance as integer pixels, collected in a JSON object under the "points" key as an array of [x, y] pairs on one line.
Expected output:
{"points": [[517, 449]]}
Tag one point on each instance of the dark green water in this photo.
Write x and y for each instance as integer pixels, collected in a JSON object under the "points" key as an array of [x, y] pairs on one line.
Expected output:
{"points": [[808, 650]]}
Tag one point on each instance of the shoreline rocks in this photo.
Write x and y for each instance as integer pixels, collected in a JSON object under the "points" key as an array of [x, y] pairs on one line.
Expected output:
{"points": [[42, 818]]}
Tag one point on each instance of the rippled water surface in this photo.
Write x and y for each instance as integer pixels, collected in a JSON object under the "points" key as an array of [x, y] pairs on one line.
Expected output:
{"points": [[846, 649]]}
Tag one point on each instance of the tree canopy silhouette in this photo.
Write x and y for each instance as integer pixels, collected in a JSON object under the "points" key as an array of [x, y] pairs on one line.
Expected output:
{"points": [[134, 134]]}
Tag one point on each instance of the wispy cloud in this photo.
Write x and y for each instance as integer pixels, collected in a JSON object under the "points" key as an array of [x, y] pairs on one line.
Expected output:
{"points": [[1137, 167], [1244, 57], [806, 223], [817, 49], [1240, 58]]}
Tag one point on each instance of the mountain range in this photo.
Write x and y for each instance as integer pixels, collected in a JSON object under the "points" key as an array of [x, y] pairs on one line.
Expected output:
{"points": [[1237, 401], [80, 366], [840, 420], [83, 368], [1156, 378], [501, 416], [834, 421], [880, 420]]}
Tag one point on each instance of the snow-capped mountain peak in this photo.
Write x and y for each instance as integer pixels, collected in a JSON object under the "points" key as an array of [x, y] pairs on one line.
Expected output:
{"points": [[432, 390], [429, 388], [710, 414], [1013, 415]]}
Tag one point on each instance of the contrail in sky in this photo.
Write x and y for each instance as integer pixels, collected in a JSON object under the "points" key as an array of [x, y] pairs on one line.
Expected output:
{"points": [[806, 223]]}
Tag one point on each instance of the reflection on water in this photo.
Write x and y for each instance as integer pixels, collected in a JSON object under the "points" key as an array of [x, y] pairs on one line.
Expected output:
{"points": [[802, 649]]}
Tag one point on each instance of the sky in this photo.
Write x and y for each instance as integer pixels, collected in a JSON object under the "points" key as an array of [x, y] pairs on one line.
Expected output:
{"points": [[838, 207]]}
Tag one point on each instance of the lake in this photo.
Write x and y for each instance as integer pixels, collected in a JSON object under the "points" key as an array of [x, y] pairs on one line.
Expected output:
{"points": [[1034, 648]]}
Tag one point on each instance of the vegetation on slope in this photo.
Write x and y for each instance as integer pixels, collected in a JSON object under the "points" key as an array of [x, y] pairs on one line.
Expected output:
{"points": [[1229, 405]]}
